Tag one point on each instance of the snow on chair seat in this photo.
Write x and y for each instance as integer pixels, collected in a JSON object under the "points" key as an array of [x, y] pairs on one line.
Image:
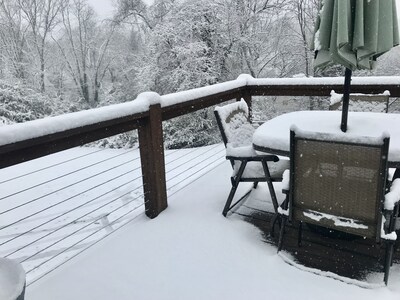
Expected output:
{"points": [[237, 135]]}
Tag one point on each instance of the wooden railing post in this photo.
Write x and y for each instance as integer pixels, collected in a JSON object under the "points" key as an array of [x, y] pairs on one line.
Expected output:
{"points": [[246, 95], [152, 160]]}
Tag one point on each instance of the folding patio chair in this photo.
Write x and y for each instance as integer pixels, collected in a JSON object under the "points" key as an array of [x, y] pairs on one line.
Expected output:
{"points": [[237, 133], [338, 182], [363, 102]]}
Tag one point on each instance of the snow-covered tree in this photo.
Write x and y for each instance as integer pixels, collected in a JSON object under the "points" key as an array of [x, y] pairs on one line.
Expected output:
{"points": [[84, 48], [42, 16], [13, 33]]}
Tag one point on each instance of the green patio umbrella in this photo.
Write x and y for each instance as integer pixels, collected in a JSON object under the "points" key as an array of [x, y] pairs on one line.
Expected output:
{"points": [[353, 33]]}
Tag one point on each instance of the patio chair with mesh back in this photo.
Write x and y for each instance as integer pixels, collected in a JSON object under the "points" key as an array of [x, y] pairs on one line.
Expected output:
{"points": [[237, 133], [339, 184], [362, 102]]}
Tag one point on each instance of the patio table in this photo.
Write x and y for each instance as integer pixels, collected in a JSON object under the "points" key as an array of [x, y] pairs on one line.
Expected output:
{"points": [[274, 135]]}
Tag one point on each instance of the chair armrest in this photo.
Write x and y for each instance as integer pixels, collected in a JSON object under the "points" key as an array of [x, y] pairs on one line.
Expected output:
{"points": [[240, 151], [269, 157]]}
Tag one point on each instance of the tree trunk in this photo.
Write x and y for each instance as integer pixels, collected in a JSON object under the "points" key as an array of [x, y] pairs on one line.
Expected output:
{"points": [[42, 85]]}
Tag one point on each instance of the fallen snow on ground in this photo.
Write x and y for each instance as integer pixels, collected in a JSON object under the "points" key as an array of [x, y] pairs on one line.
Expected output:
{"points": [[191, 251]]}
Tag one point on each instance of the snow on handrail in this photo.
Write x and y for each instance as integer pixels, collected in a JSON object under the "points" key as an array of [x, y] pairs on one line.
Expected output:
{"points": [[10, 134]]}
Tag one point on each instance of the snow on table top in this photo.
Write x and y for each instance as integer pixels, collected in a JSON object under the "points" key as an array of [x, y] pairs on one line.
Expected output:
{"points": [[275, 133], [12, 279]]}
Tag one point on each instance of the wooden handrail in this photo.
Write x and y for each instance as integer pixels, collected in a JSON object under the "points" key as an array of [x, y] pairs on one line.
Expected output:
{"points": [[322, 90], [18, 152], [149, 124]]}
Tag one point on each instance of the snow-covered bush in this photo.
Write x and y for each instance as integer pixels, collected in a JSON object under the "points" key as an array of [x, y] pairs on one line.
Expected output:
{"points": [[193, 130], [124, 140], [21, 104]]}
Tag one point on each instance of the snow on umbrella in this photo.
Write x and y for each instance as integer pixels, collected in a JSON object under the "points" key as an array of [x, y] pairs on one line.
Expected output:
{"points": [[353, 34]]}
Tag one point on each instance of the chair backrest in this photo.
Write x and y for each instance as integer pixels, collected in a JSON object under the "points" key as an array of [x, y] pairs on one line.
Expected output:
{"points": [[363, 102], [234, 125], [338, 183]]}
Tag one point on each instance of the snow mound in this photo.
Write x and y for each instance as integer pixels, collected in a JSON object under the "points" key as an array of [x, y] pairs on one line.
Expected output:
{"points": [[12, 279]]}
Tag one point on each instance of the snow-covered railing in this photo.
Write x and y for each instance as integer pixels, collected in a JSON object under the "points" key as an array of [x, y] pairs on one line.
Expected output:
{"points": [[35, 139], [22, 142]]}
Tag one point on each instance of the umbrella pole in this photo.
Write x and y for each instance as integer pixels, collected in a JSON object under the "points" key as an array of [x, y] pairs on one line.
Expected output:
{"points": [[346, 96]]}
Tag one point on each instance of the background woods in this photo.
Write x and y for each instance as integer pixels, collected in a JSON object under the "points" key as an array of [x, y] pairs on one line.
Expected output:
{"points": [[58, 55]]}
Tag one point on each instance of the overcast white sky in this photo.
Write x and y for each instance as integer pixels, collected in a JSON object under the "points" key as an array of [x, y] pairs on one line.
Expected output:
{"points": [[104, 8]]}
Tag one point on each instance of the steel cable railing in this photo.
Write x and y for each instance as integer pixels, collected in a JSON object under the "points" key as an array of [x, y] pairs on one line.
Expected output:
{"points": [[90, 245], [192, 168], [194, 174], [65, 213], [57, 223], [76, 231], [190, 158], [63, 201], [51, 166], [61, 176], [67, 217]]}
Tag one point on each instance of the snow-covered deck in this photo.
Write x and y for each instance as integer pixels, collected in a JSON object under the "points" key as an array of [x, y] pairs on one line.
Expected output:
{"points": [[191, 251]]}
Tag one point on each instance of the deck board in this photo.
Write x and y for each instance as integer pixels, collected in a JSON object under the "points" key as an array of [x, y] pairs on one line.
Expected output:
{"points": [[349, 258]]}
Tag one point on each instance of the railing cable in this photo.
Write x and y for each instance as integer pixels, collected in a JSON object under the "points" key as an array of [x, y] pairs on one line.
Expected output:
{"points": [[184, 155], [91, 245], [170, 187], [208, 157], [192, 158], [63, 201], [67, 186], [81, 240], [51, 166], [78, 230], [64, 175], [67, 212]]}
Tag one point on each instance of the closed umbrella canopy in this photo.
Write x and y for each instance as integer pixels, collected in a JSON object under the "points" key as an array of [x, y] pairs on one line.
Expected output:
{"points": [[353, 33]]}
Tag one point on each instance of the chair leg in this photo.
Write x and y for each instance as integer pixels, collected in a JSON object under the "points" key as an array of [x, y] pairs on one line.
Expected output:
{"points": [[235, 182], [270, 186], [281, 233], [229, 200], [300, 234], [240, 200], [275, 219], [255, 184], [388, 260]]}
